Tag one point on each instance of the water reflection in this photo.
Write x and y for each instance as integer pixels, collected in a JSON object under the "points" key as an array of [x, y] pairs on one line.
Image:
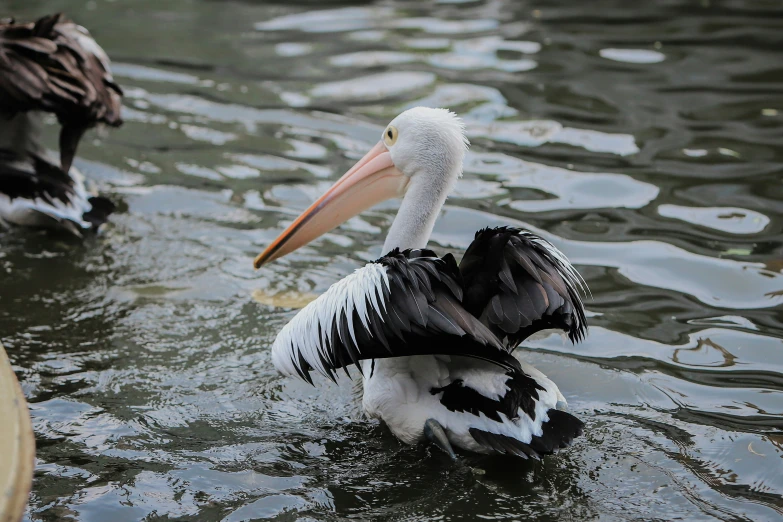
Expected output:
{"points": [[644, 142]]}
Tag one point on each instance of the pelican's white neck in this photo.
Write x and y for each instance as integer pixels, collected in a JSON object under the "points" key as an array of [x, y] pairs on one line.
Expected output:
{"points": [[427, 145], [412, 227]]}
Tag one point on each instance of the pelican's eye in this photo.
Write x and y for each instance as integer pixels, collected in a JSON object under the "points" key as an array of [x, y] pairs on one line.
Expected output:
{"points": [[390, 135]]}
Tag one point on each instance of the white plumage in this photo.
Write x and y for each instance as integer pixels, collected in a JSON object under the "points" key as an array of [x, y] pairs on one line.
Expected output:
{"points": [[310, 333], [397, 392]]}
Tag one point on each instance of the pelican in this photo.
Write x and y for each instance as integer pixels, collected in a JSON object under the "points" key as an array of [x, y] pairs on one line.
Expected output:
{"points": [[51, 65], [432, 339]]}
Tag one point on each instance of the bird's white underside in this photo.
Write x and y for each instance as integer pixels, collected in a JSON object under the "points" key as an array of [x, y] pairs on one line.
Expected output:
{"points": [[398, 393]]}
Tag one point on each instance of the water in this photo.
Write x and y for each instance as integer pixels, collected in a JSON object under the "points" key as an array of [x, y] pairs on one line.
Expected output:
{"points": [[642, 140]]}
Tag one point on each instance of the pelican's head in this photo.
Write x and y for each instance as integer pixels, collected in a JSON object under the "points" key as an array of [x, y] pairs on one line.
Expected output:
{"points": [[422, 147], [426, 142]]}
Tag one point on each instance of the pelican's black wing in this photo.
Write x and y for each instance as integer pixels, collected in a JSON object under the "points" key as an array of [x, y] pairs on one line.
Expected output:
{"points": [[54, 65], [406, 303], [517, 283]]}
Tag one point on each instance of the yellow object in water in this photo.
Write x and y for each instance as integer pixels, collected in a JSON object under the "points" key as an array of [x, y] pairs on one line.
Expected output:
{"points": [[17, 445], [289, 299]]}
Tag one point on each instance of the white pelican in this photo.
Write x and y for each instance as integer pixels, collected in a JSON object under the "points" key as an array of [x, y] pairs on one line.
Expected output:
{"points": [[433, 340], [52, 65]]}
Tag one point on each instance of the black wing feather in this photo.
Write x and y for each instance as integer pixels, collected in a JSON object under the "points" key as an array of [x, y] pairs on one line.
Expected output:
{"points": [[509, 285], [519, 284], [424, 305], [424, 316]]}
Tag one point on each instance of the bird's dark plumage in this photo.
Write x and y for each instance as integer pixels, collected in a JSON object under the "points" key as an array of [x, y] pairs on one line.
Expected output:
{"points": [[51, 65], [54, 65], [423, 316], [507, 287], [517, 284]]}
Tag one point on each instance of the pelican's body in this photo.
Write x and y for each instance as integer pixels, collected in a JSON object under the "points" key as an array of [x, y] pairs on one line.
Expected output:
{"points": [[406, 392], [52, 65], [434, 339]]}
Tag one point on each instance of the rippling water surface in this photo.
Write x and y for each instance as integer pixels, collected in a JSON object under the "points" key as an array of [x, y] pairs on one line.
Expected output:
{"points": [[643, 139]]}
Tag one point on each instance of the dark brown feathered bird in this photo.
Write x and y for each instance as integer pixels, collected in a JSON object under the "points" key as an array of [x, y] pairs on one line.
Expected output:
{"points": [[52, 65]]}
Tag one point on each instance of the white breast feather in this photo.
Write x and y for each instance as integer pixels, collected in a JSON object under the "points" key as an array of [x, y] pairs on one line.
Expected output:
{"points": [[301, 334]]}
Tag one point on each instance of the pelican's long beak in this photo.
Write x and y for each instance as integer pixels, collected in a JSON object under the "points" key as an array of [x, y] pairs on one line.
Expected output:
{"points": [[372, 180]]}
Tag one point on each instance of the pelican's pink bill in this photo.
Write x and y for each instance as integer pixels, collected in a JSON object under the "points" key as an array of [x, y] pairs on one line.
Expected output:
{"points": [[373, 179]]}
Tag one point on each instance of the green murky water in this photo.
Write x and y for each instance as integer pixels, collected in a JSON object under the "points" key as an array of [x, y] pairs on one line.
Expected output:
{"points": [[643, 139]]}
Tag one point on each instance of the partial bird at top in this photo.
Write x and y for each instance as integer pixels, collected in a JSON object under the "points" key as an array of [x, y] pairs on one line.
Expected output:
{"points": [[52, 65], [434, 340]]}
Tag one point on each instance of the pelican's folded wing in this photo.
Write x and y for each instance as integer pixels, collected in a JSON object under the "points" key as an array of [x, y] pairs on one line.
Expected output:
{"points": [[406, 303], [517, 283], [54, 65]]}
